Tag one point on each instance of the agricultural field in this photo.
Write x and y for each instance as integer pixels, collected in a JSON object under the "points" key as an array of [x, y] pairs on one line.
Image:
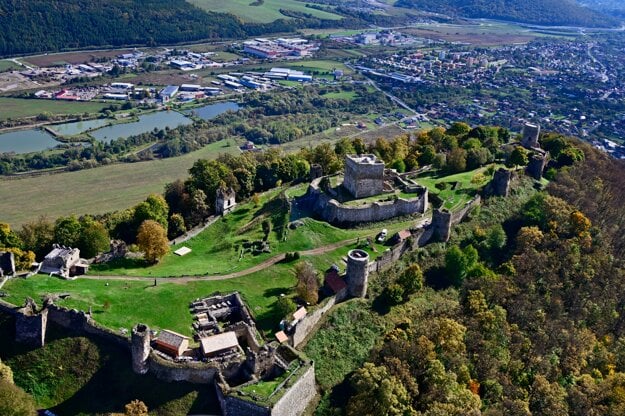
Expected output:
{"points": [[73, 58], [6, 65], [48, 195], [18, 107], [265, 12]]}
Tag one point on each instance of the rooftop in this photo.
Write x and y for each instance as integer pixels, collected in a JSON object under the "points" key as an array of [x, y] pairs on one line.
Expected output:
{"points": [[171, 338], [219, 342], [364, 159]]}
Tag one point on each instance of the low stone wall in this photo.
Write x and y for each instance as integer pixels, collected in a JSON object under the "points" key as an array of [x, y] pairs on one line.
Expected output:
{"points": [[193, 372], [309, 322], [334, 212], [298, 397], [81, 323], [458, 216]]}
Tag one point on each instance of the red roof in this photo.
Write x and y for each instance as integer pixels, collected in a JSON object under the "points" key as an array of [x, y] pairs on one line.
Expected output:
{"points": [[404, 234], [334, 281]]}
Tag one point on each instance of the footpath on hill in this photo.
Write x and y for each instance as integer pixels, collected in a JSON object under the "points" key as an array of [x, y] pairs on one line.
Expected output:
{"points": [[260, 266]]}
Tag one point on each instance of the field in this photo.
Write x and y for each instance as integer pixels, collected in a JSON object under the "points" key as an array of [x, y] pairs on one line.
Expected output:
{"points": [[6, 65], [73, 192], [483, 34], [74, 58], [17, 108], [267, 12]]}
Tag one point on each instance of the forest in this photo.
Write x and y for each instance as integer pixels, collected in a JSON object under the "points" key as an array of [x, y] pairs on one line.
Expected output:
{"points": [[519, 314], [541, 12]]}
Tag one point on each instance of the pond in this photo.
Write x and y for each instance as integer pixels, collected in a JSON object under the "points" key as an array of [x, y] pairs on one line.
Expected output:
{"points": [[26, 141], [146, 123], [71, 129], [213, 110]]}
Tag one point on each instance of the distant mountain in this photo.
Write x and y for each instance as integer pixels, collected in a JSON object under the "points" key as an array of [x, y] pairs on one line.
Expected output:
{"points": [[541, 12], [29, 26], [610, 7]]}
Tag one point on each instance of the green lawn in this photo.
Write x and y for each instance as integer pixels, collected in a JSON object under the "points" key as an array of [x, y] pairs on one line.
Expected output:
{"points": [[322, 66], [458, 188], [342, 95], [19, 107], [6, 65], [73, 192], [122, 304], [265, 13]]}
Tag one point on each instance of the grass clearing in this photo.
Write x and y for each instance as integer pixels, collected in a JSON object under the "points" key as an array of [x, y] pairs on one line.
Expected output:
{"points": [[20, 107], [48, 195], [267, 12], [6, 65]]}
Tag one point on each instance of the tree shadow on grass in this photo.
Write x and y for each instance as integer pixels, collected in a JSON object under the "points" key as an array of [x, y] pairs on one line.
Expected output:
{"points": [[120, 263]]}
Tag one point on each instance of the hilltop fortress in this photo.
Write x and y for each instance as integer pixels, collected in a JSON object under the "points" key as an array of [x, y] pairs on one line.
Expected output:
{"points": [[368, 193]]}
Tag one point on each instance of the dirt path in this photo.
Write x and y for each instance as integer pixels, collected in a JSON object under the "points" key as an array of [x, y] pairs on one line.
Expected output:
{"points": [[260, 266]]}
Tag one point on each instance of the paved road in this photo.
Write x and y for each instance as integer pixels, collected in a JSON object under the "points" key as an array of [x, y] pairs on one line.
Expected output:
{"points": [[261, 266]]}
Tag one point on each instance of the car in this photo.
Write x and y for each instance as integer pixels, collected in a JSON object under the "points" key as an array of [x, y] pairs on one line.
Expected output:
{"points": [[382, 236]]}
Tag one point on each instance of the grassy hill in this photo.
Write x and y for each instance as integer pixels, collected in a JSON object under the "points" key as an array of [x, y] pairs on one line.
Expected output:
{"points": [[542, 12]]}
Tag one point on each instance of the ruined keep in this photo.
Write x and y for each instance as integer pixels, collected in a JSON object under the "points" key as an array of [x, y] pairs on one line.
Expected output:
{"points": [[531, 132], [31, 324], [500, 184], [357, 273], [441, 224], [536, 165], [364, 175], [225, 201], [140, 348]]}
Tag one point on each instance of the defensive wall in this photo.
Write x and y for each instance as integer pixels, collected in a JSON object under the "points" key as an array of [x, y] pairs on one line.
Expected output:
{"points": [[334, 212]]}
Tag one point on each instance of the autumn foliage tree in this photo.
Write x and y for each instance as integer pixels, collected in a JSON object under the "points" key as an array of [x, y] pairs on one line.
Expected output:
{"points": [[152, 240], [14, 401], [136, 408], [307, 282]]}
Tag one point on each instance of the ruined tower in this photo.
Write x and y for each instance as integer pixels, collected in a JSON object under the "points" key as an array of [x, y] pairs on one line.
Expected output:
{"points": [[530, 135], [536, 165], [441, 222], [140, 348], [357, 273], [30, 325], [225, 201], [500, 185], [364, 175]]}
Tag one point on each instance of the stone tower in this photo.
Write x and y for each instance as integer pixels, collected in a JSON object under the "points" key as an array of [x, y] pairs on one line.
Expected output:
{"points": [[530, 135], [357, 274], [140, 348], [225, 201], [441, 222], [500, 185], [364, 175], [536, 165], [30, 325]]}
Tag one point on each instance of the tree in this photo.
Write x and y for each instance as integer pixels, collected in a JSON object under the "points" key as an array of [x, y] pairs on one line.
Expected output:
{"points": [[518, 157], [307, 282], [458, 262], [67, 231], [6, 373], [38, 236], [152, 240], [378, 393], [411, 279], [285, 306], [153, 208], [14, 401], [136, 408], [8, 238], [94, 238], [176, 226], [457, 160]]}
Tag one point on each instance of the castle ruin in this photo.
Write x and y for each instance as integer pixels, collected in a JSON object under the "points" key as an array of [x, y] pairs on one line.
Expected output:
{"points": [[364, 175], [225, 201], [531, 132], [357, 274]]}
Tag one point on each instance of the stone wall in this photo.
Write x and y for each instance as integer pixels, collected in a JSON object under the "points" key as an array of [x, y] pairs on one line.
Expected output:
{"points": [[193, 372], [363, 179], [336, 213], [310, 321], [295, 400]]}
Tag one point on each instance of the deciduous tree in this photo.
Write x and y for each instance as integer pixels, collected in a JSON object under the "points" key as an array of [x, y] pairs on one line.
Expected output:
{"points": [[152, 240]]}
